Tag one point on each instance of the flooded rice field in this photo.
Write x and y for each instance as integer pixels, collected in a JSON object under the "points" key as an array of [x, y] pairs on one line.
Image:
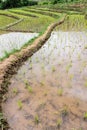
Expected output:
{"points": [[49, 92], [14, 41]]}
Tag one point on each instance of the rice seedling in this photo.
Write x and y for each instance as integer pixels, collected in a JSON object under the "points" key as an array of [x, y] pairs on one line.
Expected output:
{"points": [[84, 64], [85, 47], [64, 111], [42, 83], [53, 69], [85, 83], [15, 90], [68, 67], [85, 116], [36, 119], [60, 92], [45, 93], [29, 88], [71, 76], [42, 104], [79, 56], [59, 123], [20, 105], [30, 66], [26, 83]]}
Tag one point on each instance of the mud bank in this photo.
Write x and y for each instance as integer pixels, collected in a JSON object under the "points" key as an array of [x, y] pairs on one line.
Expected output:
{"points": [[9, 66]]}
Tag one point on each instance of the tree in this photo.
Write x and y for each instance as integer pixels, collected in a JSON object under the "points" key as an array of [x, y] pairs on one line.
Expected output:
{"points": [[10, 3], [24, 2], [55, 1], [16, 3]]}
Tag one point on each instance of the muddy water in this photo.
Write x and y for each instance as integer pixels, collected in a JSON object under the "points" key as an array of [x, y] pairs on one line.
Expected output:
{"points": [[14, 41], [49, 92]]}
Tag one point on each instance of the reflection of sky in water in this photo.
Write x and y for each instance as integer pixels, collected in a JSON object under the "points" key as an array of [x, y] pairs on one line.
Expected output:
{"points": [[62, 45], [11, 41], [61, 50]]}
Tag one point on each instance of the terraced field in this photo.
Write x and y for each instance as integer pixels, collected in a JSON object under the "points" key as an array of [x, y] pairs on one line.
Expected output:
{"points": [[32, 20], [49, 91], [24, 20]]}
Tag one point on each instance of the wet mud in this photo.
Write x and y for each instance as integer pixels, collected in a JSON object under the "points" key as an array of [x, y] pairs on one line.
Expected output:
{"points": [[49, 92]]}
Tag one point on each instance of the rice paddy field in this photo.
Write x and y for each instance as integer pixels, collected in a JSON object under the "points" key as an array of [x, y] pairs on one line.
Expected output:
{"points": [[49, 91]]}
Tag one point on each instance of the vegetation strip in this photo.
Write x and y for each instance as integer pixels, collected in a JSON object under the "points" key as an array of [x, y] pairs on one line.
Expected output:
{"points": [[59, 11], [11, 16], [25, 14], [42, 12], [9, 66]]}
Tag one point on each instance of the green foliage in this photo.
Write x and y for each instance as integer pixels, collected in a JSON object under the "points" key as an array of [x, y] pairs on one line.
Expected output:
{"points": [[16, 3]]}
